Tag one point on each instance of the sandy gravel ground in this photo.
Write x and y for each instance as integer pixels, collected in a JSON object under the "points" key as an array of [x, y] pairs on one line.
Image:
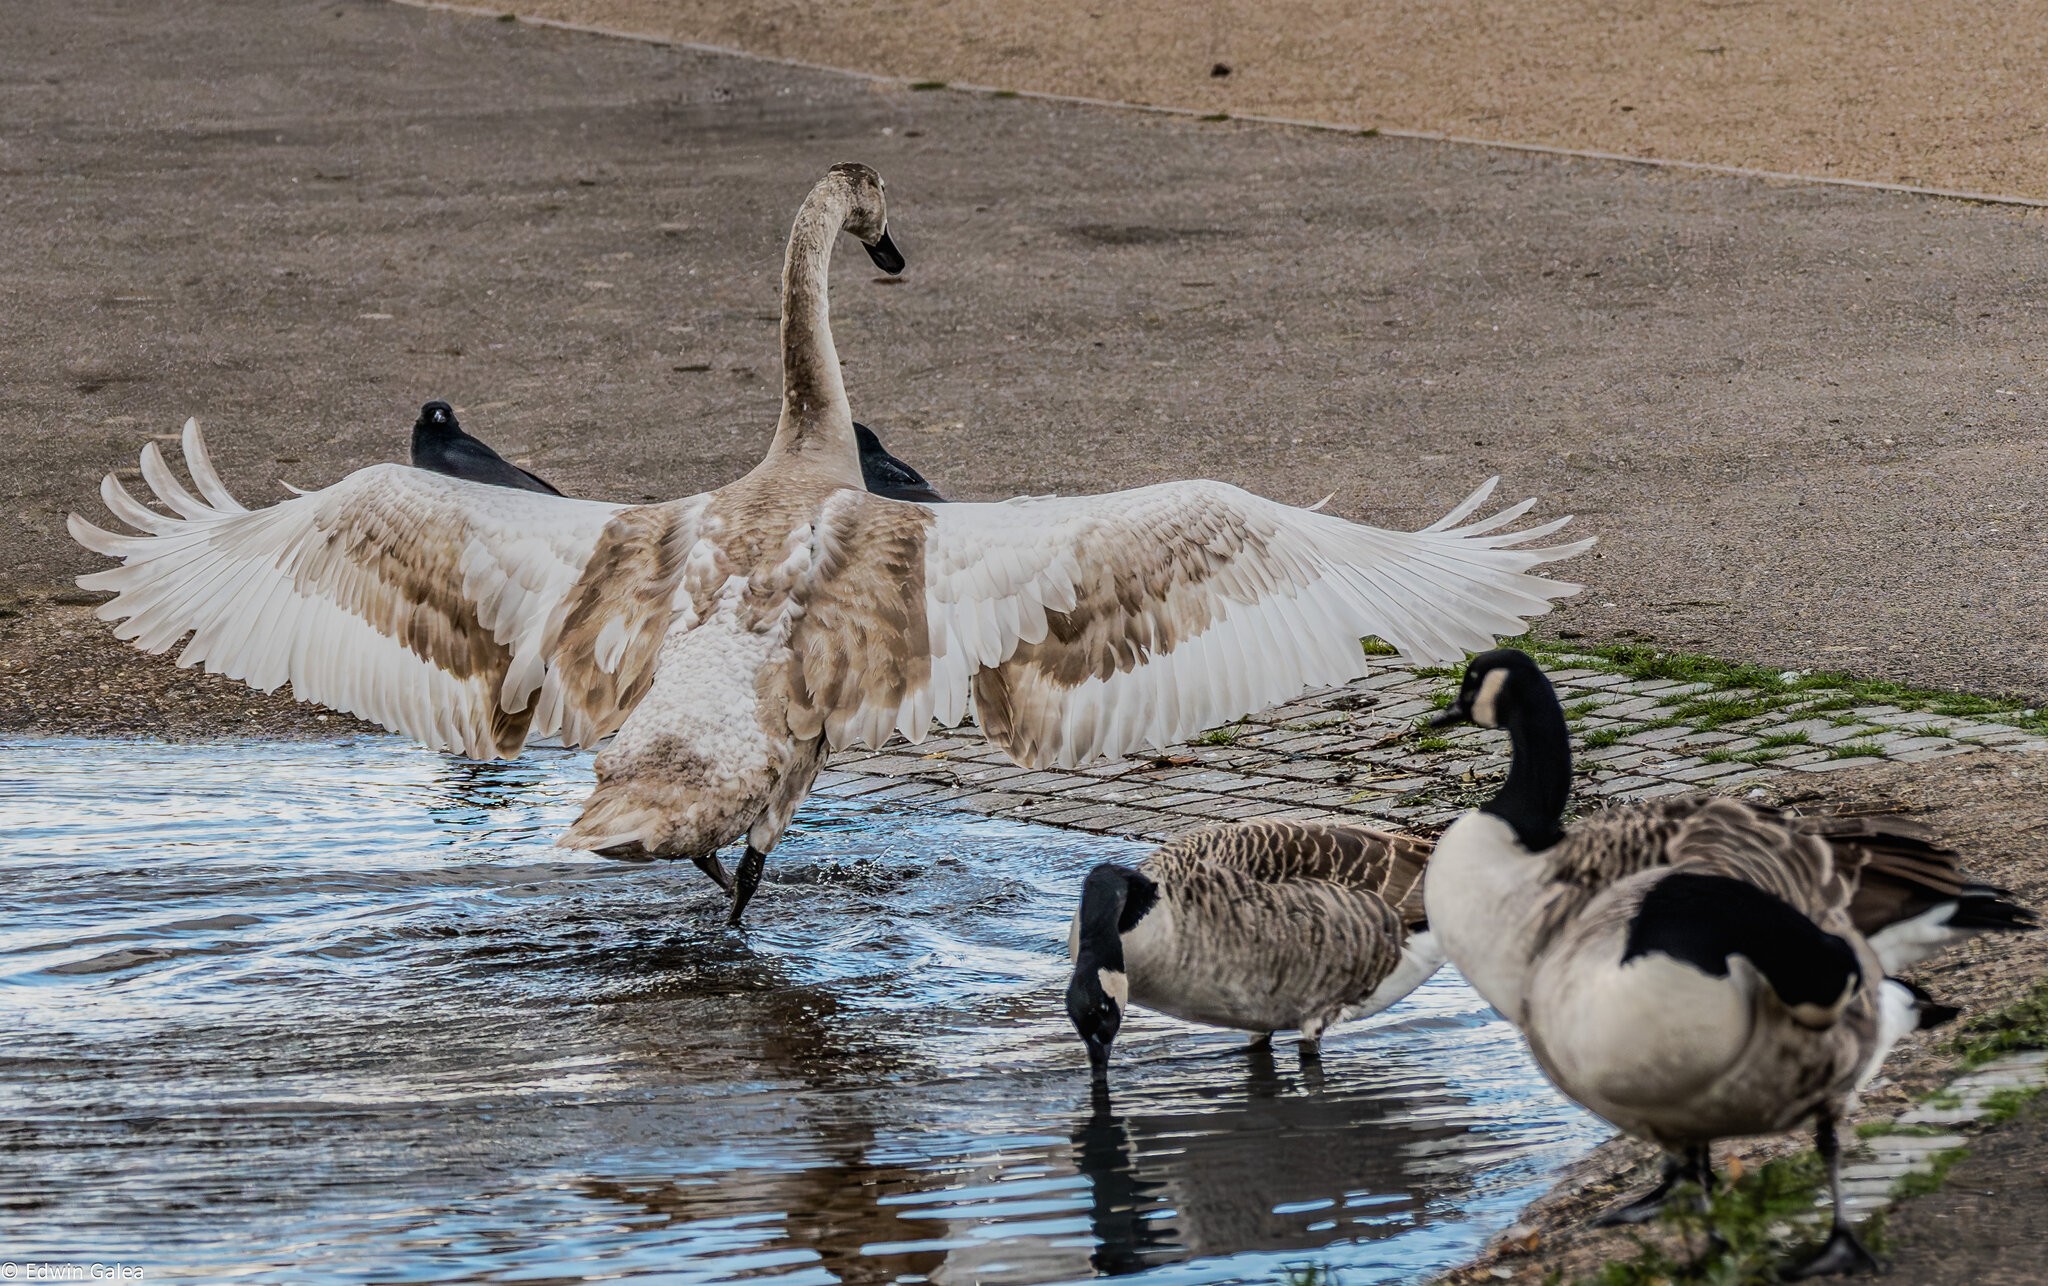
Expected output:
{"points": [[1806, 423], [1896, 91]]}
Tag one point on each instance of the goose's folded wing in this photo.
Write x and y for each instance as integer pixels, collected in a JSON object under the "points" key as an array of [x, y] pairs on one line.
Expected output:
{"points": [[1090, 626], [451, 611]]}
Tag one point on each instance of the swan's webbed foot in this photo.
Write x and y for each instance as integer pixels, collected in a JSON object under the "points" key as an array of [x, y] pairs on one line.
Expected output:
{"points": [[744, 884], [1842, 1255], [711, 866]]}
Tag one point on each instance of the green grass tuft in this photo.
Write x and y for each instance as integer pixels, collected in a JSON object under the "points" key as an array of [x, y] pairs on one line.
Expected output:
{"points": [[1919, 1183], [2001, 1106], [1812, 692], [1580, 709], [1855, 750], [927, 84], [1004, 93], [1214, 116], [2020, 1025], [1750, 1221], [1375, 646], [1221, 736], [1432, 743], [1779, 740], [1601, 738]]}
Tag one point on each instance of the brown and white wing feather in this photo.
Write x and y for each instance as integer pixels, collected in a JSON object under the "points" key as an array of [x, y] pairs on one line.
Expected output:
{"points": [[1090, 626], [424, 603]]}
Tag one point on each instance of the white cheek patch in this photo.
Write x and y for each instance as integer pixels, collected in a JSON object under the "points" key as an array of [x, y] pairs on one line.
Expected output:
{"points": [[1489, 693], [1117, 984]]}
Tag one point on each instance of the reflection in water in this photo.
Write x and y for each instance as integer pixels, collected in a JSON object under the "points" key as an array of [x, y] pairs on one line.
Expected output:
{"points": [[341, 1012]]}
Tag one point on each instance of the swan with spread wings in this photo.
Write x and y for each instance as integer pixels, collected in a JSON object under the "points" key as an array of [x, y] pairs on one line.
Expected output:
{"points": [[725, 643]]}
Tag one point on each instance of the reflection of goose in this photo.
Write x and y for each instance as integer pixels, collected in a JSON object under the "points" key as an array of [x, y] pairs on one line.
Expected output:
{"points": [[726, 641], [1691, 969], [1260, 926], [1270, 1169]]}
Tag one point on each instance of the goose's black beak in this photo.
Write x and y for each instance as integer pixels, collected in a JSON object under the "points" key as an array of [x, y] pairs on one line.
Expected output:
{"points": [[886, 256], [1456, 712]]}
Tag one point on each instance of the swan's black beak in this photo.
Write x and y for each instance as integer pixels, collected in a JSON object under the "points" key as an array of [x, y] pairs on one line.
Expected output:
{"points": [[885, 254], [1456, 712]]}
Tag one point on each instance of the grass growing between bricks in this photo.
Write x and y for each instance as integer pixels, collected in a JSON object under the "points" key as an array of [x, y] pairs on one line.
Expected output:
{"points": [[2020, 1025], [1763, 690]]}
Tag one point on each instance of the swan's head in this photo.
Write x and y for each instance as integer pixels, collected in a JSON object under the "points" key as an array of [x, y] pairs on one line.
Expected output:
{"points": [[1495, 682], [867, 213]]}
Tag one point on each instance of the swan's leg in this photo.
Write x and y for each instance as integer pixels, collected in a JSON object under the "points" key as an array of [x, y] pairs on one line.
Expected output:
{"points": [[711, 866], [744, 884], [1648, 1206], [1843, 1253]]}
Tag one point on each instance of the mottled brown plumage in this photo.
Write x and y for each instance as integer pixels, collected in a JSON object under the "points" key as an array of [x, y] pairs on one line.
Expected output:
{"points": [[1690, 968], [1269, 926]]}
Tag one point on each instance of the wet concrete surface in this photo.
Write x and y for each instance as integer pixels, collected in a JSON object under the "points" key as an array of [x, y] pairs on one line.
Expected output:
{"points": [[1805, 422]]}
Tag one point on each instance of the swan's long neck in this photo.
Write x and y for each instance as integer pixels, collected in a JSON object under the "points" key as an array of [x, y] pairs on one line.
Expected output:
{"points": [[816, 420], [1532, 800]]}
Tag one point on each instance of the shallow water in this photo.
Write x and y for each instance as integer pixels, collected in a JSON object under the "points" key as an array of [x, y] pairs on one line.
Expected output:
{"points": [[339, 1012]]}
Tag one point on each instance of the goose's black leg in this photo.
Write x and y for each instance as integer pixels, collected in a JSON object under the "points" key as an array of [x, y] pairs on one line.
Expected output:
{"points": [[1843, 1254], [744, 884], [1699, 1169], [1648, 1206], [711, 866]]}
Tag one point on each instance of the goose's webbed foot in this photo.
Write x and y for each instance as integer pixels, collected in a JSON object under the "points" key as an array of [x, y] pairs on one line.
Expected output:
{"points": [[744, 884], [1649, 1205], [1842, 1255]]}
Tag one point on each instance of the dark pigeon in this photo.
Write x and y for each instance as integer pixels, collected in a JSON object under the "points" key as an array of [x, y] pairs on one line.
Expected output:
{"points": [[440, 446], [885, 475]]}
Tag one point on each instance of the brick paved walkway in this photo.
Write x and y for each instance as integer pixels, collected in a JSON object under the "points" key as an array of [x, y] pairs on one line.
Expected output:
{"points": [[1357, 753]]}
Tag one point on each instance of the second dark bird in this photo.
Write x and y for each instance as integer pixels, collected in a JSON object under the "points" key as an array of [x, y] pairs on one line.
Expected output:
{"points": [[440, 445]]}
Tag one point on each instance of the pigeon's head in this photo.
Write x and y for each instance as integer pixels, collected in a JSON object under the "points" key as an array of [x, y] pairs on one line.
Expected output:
{"points": [[437, 417], [867, 213]]}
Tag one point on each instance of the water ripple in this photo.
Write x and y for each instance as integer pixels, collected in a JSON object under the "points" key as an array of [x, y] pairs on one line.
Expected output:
{"points": [[340, 1011]]}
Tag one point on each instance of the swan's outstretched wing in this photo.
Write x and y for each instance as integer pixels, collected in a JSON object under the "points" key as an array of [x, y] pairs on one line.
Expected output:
{"points": [[1093, 625], [468, 616]]}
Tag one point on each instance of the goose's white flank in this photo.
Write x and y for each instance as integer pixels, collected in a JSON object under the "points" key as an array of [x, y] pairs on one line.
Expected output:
{"points": [[726, 641], [1694, 968], [1259, 926]]}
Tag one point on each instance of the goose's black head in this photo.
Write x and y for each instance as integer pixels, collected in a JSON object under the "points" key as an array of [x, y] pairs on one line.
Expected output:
{"points": [[437, 419], [1113, 899], [1496, 683], [868, 215], [1505, 689]]}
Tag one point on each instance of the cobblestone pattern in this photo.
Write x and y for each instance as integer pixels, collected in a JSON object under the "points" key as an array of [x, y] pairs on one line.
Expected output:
{"points": [[1871, 1181], [1352, 753]]}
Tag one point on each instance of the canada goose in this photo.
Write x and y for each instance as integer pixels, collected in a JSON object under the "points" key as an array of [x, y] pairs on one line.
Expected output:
{"points": [[1260, 926], [885, 475], [726, 641], [440, 445], [1696, 968]]}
